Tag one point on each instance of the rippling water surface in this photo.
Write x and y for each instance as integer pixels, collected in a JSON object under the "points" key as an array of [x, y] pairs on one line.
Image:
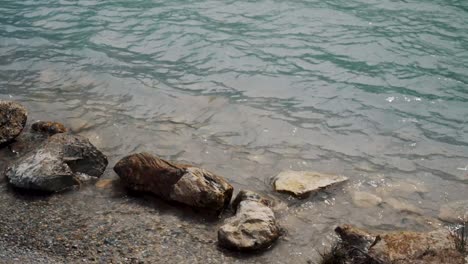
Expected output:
{"points": [[374, 90]]}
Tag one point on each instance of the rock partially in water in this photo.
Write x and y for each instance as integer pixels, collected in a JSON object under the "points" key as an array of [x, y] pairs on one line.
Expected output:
{"points": [[254, 226], [13, 118], [42, 170], [302, 183], [79, 154], [454, 212], [174, 182], [48, 127], [57, 164], [365, 199], [435, 247]]}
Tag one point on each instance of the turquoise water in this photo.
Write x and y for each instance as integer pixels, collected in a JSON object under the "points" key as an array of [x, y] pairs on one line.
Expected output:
{"points": [[375, 90]]}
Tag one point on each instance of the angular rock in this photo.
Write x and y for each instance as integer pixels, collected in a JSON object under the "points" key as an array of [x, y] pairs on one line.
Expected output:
{"points": [[174, 182], [13, 118], [254, 226], [302, 183], [59, 163], [435, 247], [79, 154], [454, 212], [48, 127]]}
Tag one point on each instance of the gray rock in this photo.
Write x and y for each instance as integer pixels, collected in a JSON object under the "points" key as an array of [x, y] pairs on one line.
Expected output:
{"points": [[174, 182], [302, 183], [13, 118], [57, 164], [435, 247], [254, 226]]}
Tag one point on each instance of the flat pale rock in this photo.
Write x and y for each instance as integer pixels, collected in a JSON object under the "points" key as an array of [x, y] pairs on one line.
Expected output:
{"points": [[301, 183], [13, 117], [365, 199], [454, 212]]}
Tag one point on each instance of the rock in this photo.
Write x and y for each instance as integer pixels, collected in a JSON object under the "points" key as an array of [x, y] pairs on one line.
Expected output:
{"points": [[365, 199], [301, 183], [454, 212], [435, 247], [254, 226], [43, 170], [79, 154], [59, 163], [105, 183], [174, 182], [405, 187], [13, 118], [403, 206], [48, 127]]}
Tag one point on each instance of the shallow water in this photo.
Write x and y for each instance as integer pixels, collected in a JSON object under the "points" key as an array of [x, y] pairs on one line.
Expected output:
{"points": [[374, 90]]}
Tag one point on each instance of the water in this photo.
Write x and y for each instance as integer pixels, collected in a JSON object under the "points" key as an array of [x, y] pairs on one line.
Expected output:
{"points": [[374, 90]]}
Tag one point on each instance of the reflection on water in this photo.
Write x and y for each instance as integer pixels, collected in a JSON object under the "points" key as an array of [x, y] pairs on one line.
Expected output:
{"points": [[376, 91]]}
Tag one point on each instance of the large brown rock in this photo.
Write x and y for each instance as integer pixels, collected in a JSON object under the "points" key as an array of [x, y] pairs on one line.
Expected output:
{"points": [[254, 226], [174, 182], [13, 118], [435, 247], [58, 163]]}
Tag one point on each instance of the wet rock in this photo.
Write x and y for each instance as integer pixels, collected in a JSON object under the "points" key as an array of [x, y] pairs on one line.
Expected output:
{"points": [[13, 118], [403, 206], [302, 183], [174, 182], [454, 212], [43, 170], [402, 187], [105, 183], [365, 199], [254, 226], [79, 154], [59, 163], [48, 127], [435, 247]]}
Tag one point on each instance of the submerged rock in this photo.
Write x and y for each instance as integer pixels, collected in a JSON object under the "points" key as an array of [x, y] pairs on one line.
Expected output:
{"points": [[454, 212], [57, 164], [48, 127], [365, 199], [302, 183], [174, 182], [254, 226], [13, 118], [436, 247]]}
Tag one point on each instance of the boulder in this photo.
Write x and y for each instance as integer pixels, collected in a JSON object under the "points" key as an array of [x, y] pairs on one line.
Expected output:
{"points": [[174, 182], [254, 226], [57, 164], [48, 127], [302, 183], [13, 118], [435, 247]]}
